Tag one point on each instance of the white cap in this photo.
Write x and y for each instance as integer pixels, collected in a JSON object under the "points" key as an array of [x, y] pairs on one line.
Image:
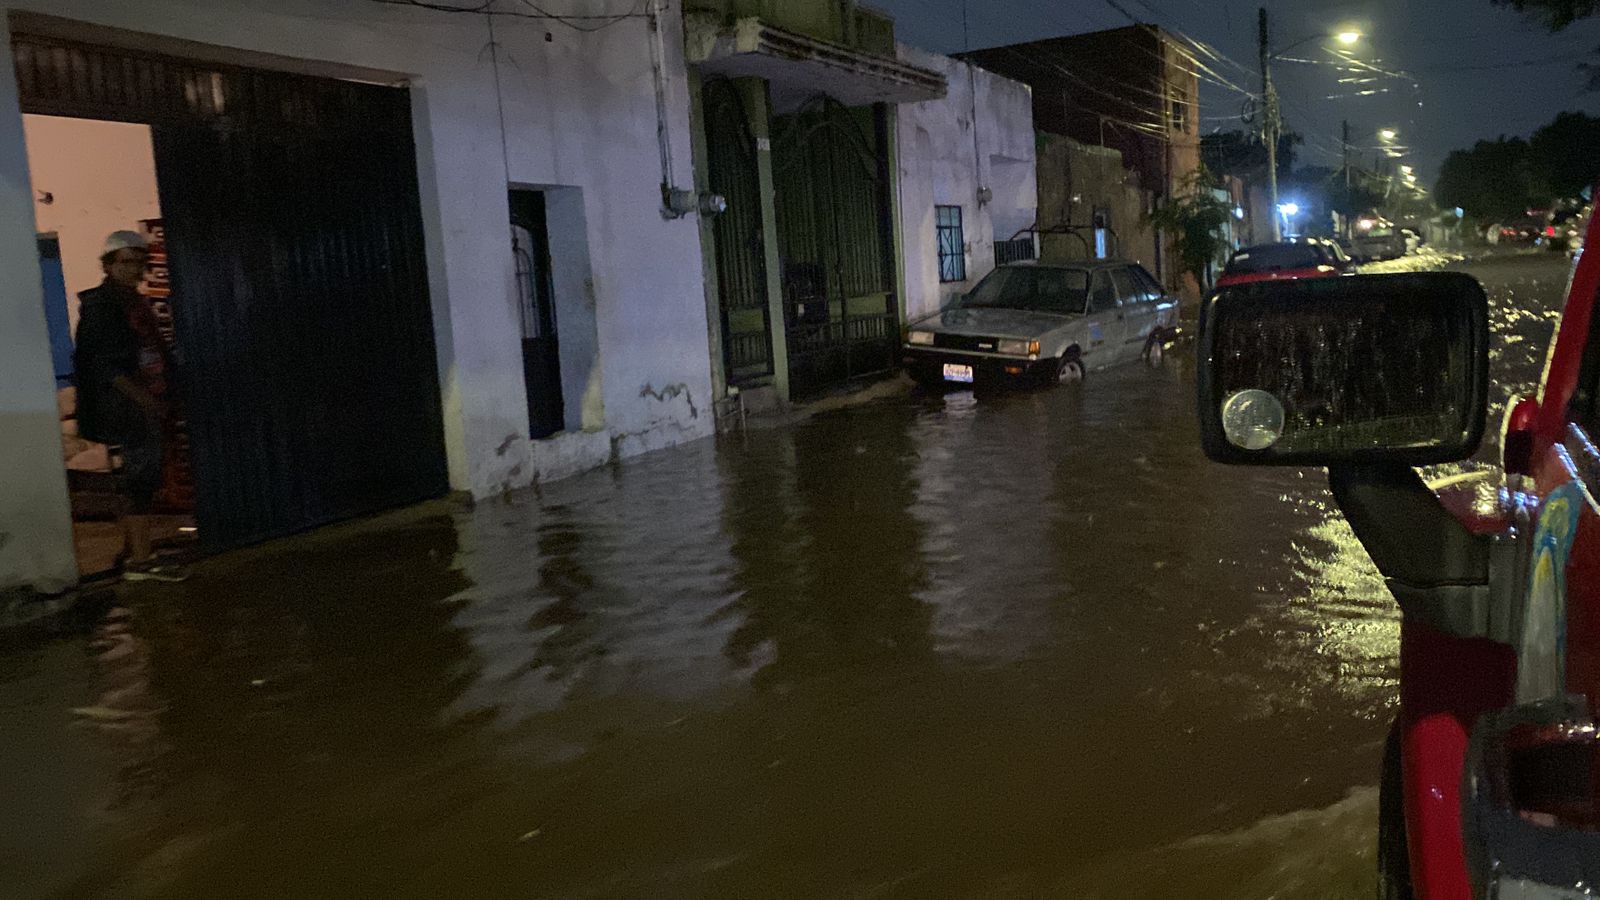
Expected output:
{"points": [[124, 240]]}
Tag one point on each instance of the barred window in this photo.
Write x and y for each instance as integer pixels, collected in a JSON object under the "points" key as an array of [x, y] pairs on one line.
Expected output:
{"points": [[952, 244]]}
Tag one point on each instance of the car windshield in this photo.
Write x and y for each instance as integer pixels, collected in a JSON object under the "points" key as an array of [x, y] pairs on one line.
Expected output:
{"points": [[1274, 257], [1034, 288]]}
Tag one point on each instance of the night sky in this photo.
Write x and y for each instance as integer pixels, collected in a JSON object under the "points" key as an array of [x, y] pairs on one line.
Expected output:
{"points": [[1480, 70]]}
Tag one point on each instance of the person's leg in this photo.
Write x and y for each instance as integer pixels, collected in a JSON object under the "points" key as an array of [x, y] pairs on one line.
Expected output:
{"points": [[141, 476], [136, 537]]}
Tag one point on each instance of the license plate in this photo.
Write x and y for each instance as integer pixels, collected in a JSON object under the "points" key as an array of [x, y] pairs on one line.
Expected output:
{"points": [[955, 372]]}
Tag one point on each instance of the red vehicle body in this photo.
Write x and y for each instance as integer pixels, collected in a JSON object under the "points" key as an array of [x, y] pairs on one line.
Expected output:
{"points": [[1493, 766], [1448, 682], [1288, 261]]}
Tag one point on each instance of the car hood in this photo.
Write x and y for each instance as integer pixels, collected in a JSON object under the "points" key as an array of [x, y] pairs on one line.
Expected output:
{"points": [[994, 322]]}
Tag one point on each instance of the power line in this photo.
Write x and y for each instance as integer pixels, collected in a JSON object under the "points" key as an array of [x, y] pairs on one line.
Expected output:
{"points": [[575, 21]]}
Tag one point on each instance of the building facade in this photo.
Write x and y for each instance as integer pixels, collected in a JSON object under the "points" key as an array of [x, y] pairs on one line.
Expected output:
{"points": [[968, 193], [793, 101], [1132, 90], [411, 251]]}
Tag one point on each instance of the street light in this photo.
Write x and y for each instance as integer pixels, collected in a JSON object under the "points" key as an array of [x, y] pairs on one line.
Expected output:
{"points": [[1388, 134], [1288, 211], [1348, 38]]}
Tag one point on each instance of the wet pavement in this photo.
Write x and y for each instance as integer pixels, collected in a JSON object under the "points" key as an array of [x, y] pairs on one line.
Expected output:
{"points": [[1015, 646]]}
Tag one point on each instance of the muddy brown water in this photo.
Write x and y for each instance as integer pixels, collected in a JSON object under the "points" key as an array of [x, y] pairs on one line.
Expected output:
{"points": [[1015, 646]]}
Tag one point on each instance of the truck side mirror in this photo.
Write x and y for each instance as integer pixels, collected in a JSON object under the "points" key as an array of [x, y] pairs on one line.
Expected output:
{"points": [[1361, 370]]}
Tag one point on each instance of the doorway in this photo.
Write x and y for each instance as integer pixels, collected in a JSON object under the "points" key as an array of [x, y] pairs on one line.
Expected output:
{"points": [[835, 239], [91, 178], [536, 307], [288, 206]]}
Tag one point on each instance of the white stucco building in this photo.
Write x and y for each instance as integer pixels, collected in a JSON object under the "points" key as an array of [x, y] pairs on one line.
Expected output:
{"points": [[967, 161], [589, 125]]}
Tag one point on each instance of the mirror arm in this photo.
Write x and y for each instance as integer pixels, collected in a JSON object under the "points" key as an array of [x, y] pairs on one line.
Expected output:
{"points": [[1436, 569]]}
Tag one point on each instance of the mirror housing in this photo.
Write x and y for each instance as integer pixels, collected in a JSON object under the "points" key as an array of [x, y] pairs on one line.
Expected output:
{"points": [[1358, 370]]}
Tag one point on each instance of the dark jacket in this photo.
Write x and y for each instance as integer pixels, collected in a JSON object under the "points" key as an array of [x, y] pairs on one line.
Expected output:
{"points": [[106, 348]]}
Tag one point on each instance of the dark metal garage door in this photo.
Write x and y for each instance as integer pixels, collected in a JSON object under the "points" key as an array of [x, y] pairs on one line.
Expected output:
{"points": [[305, 335]]}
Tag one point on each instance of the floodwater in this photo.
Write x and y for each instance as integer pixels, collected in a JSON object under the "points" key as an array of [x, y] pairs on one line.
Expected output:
{"points": [[1017, 646]]}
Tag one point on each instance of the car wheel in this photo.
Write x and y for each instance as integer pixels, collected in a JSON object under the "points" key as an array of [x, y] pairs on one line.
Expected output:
{"points": [[1069, 370]]}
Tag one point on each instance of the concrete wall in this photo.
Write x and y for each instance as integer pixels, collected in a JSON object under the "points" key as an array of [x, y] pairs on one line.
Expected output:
{"points": [[940, 164], [35, 521], [580, 112], [101, 177], [1076, 178]]}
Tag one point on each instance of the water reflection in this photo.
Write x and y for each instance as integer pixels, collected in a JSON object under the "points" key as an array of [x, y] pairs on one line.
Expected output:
{"points": [[833, 588]]}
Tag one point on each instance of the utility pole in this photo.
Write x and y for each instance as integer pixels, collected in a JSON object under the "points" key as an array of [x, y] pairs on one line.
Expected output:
{"points": [[1270, 126], [1346, 141], [1349, 197]]}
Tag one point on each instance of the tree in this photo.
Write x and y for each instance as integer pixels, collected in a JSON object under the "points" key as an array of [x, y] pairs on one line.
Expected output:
{"points": [[1564, 156], [1555, 14], [1195, 217], [1491, 181], [1323, 188]]}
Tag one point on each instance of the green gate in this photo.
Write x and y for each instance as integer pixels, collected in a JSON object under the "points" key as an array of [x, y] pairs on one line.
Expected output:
{"points": [[835, 240], [736, 235]]}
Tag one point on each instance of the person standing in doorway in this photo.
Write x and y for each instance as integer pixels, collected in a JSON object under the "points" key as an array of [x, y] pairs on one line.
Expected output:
{"points": [[122, 367]]}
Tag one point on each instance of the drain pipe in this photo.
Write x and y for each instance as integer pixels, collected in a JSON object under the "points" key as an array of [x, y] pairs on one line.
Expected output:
{"points": [[676, 202]]}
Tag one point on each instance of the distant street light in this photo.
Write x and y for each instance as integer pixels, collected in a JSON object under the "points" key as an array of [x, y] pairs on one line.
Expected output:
{"points": [[1289, 209], [1388, 134], [1348, 38]]}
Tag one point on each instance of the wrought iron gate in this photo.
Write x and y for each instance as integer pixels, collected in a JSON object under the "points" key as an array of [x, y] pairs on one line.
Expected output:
{"points": [[835, 239], [737, 237], [300, 296]]}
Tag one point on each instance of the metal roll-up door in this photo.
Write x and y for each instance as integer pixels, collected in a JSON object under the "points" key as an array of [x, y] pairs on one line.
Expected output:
{"points": [[308, 370]]}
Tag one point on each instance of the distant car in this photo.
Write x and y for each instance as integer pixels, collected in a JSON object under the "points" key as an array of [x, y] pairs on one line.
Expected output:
{"points": [[1037, 323], [1286, 261], [1332, 252], [1380, 242], [1565, 228], [1413, 240], [1525, 230]]}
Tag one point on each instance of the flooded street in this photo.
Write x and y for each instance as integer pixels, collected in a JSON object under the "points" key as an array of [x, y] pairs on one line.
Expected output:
{"points": [[1015, 646]]}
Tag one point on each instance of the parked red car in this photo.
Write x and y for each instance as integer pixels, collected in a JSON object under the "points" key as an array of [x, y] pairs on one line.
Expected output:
{"points": [[1491, 782], [1279, 262]]}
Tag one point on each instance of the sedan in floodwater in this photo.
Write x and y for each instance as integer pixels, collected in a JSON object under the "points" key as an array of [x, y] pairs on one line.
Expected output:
{"points": [[1034, 323], [1285, 261]]}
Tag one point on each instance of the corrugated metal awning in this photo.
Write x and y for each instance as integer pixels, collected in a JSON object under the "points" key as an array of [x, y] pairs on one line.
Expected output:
{"points": [[803, 66]]}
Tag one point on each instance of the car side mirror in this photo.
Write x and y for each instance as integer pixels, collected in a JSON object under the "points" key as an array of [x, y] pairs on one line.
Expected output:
{"points": [[1344, 371]]}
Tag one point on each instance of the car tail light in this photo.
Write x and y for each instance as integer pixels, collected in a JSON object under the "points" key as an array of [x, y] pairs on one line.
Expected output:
{"points": [[1531, 816]]}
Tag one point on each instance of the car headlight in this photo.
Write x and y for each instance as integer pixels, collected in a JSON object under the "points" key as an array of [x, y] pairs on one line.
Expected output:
{"points": [[1018, 348], [920, 338]]}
